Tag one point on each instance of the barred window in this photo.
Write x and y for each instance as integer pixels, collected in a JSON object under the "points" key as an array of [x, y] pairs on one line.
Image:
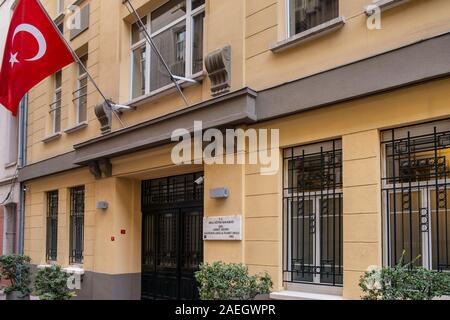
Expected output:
{"points": [[52, 226], [307, 14], [416, 190], [312, 200], [76, 224]]}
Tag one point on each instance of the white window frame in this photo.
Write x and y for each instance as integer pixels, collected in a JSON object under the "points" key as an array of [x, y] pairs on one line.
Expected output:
{"points": [[288, 18], [315, 197], [134, 47], [423, 193], [54, 106], [59, 7], [425, 196], [287, 5], [81, 76], [426, 237], [189, 19]]}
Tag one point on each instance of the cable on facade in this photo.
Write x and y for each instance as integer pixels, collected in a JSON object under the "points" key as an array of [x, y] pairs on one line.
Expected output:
{"points": [[149, 39], [78, 60]]}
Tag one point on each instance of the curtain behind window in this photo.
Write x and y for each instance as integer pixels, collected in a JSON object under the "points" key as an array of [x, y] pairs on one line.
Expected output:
{"points": [[172, 45], [307, 14]]}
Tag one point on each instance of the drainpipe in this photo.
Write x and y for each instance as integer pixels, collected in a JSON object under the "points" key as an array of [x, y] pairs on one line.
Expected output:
{"points": [[23, 120]]}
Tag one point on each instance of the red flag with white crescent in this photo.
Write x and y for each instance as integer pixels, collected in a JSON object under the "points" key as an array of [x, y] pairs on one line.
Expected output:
{"points": [[33, 51]]}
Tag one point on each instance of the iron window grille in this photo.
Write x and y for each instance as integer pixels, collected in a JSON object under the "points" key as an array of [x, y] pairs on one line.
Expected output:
{"points": [[307, 14], [77, 225], [415, 187], [312, 201], [172, 190], [176, 27], [52, 226]]}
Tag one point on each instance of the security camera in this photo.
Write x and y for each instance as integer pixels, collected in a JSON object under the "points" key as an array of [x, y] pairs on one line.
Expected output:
{"points": [[200, 181]]}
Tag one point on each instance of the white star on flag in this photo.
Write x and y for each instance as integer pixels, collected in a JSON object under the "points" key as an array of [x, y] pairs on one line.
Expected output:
{"points": [[13, 59]]}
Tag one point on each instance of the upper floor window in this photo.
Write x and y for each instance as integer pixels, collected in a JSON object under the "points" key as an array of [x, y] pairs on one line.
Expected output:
{"points": [[61, 27], [81, 92], [59, 7], [307, 14], [12, 125], [177, 30], [79, 21], [55, 107]]}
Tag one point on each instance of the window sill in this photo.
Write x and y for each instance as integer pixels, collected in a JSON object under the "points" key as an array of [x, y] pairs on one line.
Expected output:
{"points": [[44, 266], [308, 35], [74, 270], [59, 18], [159, 93], [76, 128], [383, 5], [51, 138], [297, 295]]}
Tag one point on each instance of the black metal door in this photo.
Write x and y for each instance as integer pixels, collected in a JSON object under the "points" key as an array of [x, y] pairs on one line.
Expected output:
{"points": [[172, 245]]}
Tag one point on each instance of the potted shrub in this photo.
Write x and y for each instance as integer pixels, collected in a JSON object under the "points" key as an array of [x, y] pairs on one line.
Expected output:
{"points": [[221, 281], [51, 283], [16, 270], [404, 282]]}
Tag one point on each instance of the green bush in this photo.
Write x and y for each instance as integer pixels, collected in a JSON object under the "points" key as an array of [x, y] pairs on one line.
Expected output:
{"points": [[404, 282], [16, 269], [221, 281], [51, 284]]}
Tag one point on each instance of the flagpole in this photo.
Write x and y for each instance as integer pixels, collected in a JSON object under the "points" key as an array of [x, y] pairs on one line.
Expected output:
{"points": [[78, 60], [155, 48]]}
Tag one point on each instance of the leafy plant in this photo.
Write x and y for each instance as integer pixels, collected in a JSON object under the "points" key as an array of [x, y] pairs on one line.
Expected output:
{"points": [[404, 282], [16, 269], [51, 284], [221, 281]]}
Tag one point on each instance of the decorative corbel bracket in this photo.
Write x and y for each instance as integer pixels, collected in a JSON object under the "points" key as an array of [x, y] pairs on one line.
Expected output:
{"points": [[218, 66], [103, 113], [101, 168]]}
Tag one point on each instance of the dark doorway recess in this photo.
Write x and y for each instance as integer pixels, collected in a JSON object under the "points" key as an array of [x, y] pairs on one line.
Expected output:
{"points": [[172, 245]]}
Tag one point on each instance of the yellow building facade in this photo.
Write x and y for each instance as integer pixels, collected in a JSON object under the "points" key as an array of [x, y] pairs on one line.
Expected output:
{"points": [[361, 101]]}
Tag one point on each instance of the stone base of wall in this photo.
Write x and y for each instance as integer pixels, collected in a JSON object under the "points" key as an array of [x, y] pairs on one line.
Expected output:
{"points": [[101, 286]]}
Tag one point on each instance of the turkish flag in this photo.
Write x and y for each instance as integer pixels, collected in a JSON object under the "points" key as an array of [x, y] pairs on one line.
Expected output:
{"points": [[33, 51]]}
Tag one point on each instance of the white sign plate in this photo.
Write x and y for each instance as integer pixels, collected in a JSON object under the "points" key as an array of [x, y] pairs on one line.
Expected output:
{"points": [[222, 228]]}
